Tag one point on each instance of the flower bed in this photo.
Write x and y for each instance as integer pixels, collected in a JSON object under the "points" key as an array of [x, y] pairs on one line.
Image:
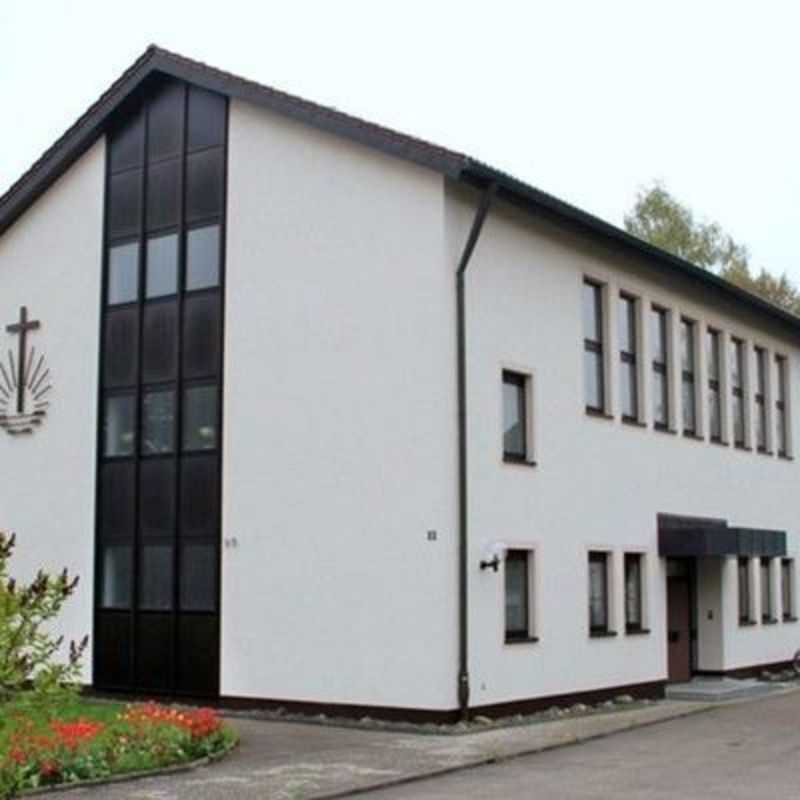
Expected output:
{"points": [[93, 742]]}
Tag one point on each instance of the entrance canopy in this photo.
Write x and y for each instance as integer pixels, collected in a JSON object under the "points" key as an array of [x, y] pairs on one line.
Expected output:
{"points": [[699, 536]]}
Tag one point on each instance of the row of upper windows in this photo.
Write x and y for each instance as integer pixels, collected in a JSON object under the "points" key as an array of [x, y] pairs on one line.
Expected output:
{"points": [[750, 397]]}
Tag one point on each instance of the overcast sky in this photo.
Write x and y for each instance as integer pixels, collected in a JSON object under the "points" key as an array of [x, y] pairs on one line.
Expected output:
{"points": [[586, 100]]}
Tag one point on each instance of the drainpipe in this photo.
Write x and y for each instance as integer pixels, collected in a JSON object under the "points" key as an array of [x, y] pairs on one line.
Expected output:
{"points": [[463, 569]]}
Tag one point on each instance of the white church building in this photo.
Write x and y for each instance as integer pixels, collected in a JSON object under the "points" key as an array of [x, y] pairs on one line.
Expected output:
{"points": [[331, 418]]}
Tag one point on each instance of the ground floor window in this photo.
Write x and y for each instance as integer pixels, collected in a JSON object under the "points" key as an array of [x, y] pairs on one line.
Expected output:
{"points": [[518, 595], [598, 593], [744, 591], [767, 610], [787, 588], [633, 592]]}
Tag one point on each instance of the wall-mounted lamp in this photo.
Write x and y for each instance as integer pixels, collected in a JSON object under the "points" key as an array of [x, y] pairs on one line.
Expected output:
{"points": [[492, 563], [492, 556]]}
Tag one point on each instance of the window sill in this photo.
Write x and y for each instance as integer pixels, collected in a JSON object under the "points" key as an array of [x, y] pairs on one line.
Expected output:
{"points": [[785, 457], [747, 623], [720, 442], [637, 631], [518, 461], [693, 436], [790, 619], [602, 634], [634, 422], [765, 452], [665, 429], [597, 412], [769, 621], [744, 447], [522, 640]]}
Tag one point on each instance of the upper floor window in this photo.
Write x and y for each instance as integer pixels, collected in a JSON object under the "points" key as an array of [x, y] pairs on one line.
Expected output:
{"points": [[780, 407], [593, 346], [515, 416], [689, 391], [713, 362], [760, 399], [737, 391], [658, 320], [628, 348]]}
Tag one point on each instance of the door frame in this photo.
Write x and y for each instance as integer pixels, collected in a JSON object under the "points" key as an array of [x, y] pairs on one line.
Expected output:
{"points": [[690, 565]]}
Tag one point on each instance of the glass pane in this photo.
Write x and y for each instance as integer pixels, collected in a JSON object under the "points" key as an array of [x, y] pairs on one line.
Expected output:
{"points": [[658, 325], [627, 324], [119, 426], [516, 594], [744, 591], [200, 418], [737, 409], [117, 499], [780, 421], [593, 379], [160, 341], [712, 355], [766, 595], [201, 336], [786, 588], [165, 122], [592, 322], [116, 591], [689, 409], [158, 422], [206, 119], [660, 408], [760, 371], [204, 184], [714, 415], [761, 426], [597, 594], [123, 274], [199, 495], [125, 203], [198, 577], [781, 377], [633, 590], [736, 363], [126, 144], [687, 346], [628, 389], [157, 497], [202, 258], [513, 418], [155, 577], [120, 347], [162, 265], [163, 194]]}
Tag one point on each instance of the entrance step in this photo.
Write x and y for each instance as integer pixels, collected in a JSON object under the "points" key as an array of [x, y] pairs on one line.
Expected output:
{"points": [[718, 690]]}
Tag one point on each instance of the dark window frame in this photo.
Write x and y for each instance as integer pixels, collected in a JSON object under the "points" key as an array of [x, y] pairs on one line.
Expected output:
{"points": [[522, 633], [760, 399], [661, 367], [600, 629], [597, 346], [737, 392], [767, 590], [635, 626], [744, 591], [787, 589], [520, 381], [689, 376], [714, 340], [780, 406], [630, 304]]}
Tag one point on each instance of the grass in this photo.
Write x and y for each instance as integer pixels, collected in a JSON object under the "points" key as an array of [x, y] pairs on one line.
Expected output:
{"points": [[77, 739]]}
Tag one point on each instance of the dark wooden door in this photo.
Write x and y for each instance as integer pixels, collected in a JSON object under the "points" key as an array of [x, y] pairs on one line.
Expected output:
{"points": [[679, 650]]}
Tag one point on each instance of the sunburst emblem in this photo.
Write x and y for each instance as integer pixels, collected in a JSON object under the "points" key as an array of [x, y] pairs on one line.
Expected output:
{"points": [[24, 381]]}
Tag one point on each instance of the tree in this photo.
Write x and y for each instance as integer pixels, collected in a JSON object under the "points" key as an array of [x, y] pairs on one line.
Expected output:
{"points": [[660, 219]]}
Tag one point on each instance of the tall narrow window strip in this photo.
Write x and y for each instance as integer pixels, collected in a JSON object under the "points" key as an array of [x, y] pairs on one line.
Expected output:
{"points": [[515, 438], [713, 360], [737, 391], [787, 588], [689, 393], [593, 347], [660, 370], [628, 347], [744, 591], [767, 614], [517, 595], [760, 400], [780, 407], [633, 592], [598, 593]]}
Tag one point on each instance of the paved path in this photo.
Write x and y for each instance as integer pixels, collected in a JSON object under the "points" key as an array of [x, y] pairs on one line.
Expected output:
{"points": [[748, 750]]}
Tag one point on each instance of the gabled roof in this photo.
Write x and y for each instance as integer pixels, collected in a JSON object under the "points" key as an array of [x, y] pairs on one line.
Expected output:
{"points": [[457, 166]]}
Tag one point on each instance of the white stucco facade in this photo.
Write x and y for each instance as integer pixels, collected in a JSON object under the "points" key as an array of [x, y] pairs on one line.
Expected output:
{"points": [[339, 565]]}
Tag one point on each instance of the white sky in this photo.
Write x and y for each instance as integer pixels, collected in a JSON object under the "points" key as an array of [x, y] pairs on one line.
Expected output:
{"points": [[586, 100]]}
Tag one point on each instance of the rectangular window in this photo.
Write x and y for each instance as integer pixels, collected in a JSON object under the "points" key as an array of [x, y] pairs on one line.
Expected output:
{"points": [[598, 593], [767, 610], [633, 592], [713, 361], [744, 591], [737, 391], [760, 398], [658, 320], [787, 588], [593, 351], [517, 595], [780, 407], [689, 392], [628, 347], [515, 422]]}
